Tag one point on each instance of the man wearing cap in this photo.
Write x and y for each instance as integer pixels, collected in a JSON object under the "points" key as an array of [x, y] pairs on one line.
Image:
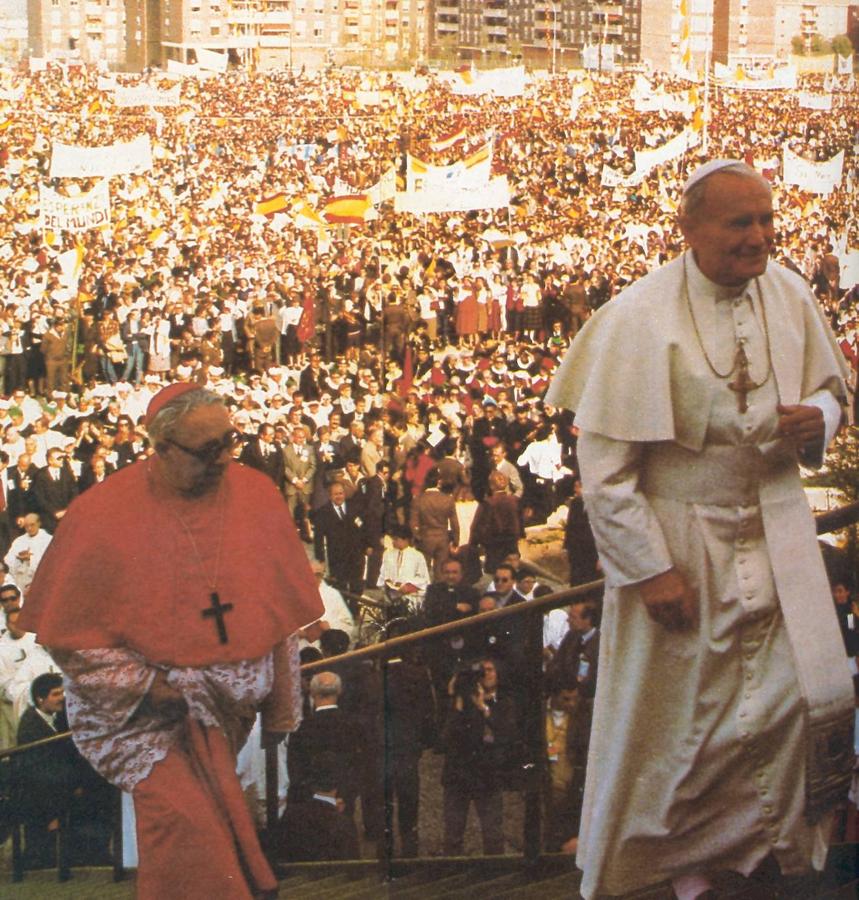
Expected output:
{"points": [[167, 663], [721, 673]]}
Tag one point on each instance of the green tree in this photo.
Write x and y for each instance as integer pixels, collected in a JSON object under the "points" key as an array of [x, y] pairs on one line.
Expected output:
{"points": [[842, 465], [819, 45], [842, 45], [797, 43]]}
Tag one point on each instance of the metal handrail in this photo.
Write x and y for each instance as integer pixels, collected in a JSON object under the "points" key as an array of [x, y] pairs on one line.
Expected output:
{"points": [[383, 648]]}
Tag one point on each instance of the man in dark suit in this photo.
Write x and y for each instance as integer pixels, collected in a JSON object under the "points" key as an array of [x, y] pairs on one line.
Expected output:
{"points": [[377, 506], [505, 639], [20, 499], [339, 539], [488, 430], [317, 830], [54, 487], [578, 653], [352, 445], [445, 601], [328, 731], [579, 541], [312, 377], [6, 524], [265, 455], [56, 779]]}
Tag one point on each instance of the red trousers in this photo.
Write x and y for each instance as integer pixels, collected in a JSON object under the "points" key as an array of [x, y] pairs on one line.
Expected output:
{"points": [[195, 836]]}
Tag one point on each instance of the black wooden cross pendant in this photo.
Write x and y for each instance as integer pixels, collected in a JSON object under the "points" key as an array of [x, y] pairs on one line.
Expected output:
{"points": [[217, 611], [742, 384]]}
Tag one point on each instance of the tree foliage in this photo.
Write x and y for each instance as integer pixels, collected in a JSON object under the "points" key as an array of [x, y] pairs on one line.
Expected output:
{"points": [[842, 465], [842, 45]]}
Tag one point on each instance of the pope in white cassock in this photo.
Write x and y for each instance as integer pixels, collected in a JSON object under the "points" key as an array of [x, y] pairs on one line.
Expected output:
{"points": [[724, 708]]}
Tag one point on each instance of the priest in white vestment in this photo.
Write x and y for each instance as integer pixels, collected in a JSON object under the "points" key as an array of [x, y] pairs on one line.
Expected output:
{"points": [[723, 707]]}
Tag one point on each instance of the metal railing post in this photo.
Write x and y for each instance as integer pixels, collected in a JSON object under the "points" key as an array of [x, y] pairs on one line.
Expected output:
{"points": [[534, 737]]}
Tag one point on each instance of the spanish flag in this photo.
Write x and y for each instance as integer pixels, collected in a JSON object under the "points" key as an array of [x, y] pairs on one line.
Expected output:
{"points": [[5, 124], [418, 166], [480, 155], [268, 206], [306, 216], [349, 209], [448, 140]]}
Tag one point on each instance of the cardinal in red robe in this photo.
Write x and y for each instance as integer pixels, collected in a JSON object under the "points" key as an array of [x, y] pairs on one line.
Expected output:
{"points": [[170, 597]]}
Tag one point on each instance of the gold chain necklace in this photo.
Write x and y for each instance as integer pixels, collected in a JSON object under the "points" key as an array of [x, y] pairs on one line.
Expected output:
{"points": [[743, 383]]}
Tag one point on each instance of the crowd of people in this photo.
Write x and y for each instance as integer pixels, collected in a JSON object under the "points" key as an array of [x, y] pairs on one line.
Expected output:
{"points": [[388, 377]]}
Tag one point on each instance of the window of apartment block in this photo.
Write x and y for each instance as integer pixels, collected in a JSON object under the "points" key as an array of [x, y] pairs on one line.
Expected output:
{"points": [[56, 35]]}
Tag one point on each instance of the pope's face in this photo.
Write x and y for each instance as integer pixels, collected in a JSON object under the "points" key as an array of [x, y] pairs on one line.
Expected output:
{"points": [[201, 427], [732, 232]]}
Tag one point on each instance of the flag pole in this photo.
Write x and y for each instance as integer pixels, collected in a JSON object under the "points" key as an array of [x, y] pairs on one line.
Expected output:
{"points": [[705, 142]]}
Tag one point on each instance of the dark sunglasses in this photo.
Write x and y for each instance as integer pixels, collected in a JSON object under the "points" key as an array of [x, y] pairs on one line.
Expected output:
{"points": [[211, 450]]}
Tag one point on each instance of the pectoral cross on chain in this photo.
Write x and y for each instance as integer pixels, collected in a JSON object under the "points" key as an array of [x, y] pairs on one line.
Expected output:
{"points": [[742, 384], [217, 611]]}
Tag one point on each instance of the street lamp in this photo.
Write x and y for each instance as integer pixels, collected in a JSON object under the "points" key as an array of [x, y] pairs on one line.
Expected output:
{"points": [[554, 35]]}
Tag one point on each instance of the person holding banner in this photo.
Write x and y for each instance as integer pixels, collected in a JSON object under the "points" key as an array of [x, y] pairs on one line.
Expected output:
{"points": [[722, 731]]}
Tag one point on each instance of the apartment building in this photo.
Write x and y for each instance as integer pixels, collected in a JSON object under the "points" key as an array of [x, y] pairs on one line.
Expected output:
{"points": [[264, 34], [736, 30], [560, 33], [542, 33], [89, 30]]}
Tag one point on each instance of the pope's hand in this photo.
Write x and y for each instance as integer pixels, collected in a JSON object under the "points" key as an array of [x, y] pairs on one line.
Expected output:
{"points": [[801, 424], [670, 601]]}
